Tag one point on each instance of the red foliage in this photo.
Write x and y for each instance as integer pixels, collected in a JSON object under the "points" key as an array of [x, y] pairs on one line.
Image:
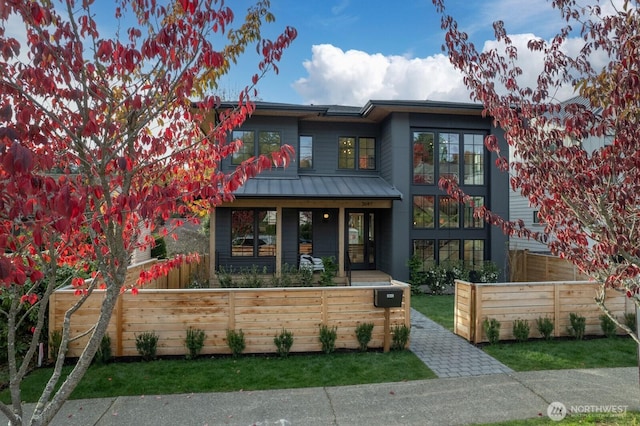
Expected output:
{"points": [[588, 197]]}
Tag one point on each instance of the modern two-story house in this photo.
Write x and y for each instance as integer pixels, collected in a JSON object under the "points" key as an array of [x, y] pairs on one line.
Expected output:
{"points": [[363, 188]]}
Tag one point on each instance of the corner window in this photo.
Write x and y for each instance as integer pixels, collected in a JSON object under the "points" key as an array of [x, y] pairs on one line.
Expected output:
{"points": [[473, 253], [306, 152], [473, 159], [471, 222], [365, 148], [246, 151]]}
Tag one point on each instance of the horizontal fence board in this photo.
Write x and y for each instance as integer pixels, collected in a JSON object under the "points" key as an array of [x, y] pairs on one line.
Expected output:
{"points": [[260, 313], [507, 302]]}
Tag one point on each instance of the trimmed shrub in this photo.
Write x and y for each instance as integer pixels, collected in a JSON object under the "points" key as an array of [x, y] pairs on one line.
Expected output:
{"points": [[491, 328], [400, 337], [328, 336], [235, 341], [363, 334], [147, 345], [194, 342], [545, 327], [578, 325], [283, 342], [103, 355], [521, 330], [608, 326]]}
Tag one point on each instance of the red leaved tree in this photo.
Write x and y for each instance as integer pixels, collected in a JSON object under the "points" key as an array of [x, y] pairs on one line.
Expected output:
{"points": [[100, 136], [588, 197]]}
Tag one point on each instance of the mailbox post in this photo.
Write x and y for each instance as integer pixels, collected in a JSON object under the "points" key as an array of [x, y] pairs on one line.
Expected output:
{"points": [[387, 298]]}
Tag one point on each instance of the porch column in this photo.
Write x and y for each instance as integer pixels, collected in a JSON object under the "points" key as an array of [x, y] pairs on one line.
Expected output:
{"points": [[341, 236], [278, 241], [212, 247]]}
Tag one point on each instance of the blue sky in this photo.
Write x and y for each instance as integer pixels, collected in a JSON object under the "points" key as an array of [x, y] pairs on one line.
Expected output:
{"points": [[351, 51]]}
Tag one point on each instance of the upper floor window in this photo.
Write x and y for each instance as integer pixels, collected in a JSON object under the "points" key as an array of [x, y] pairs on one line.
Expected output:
{"points": [[350, 148], [423, 147], [449, 155], [306, 152], [246, 151], [268, 142], [437, 155], [473, 159]]}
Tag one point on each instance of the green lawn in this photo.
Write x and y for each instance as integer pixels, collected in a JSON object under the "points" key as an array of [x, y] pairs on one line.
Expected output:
{"points": [[224, 374], [630, 418], [539, 354]]}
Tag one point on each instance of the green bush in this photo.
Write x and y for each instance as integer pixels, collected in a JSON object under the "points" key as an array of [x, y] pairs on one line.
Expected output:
{"points": [[225, 277], [329, 273], [363, 334], [235, 341], [578, 325], [147, 345], [305, 277], [159, 250], [283, 342], [521, 330], [103, 355], [251, 277], [608, 326], [194, 342], [630, 320], [328, 336], [545, 327], [491, 328], [55, 341], [416, 274], [400, 337]]}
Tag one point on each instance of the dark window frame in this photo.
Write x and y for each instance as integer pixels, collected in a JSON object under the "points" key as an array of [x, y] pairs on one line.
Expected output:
{"points": [[352, 160]]}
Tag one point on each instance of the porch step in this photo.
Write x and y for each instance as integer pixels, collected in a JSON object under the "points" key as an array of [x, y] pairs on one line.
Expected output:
{"points": [[369, 278]]}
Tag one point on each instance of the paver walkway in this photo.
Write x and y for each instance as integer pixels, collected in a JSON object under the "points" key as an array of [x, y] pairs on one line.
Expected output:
{"points": [[446, 354]]}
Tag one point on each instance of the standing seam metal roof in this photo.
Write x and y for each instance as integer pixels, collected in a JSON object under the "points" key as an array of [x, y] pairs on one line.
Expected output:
{"points": [[319, 187]]}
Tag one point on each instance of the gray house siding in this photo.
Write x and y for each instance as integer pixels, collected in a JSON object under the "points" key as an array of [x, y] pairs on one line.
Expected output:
{"points": [[392, 125]]}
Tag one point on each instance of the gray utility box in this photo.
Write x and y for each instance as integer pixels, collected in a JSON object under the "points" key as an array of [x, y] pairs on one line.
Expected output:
{"points": [[387, 298]]}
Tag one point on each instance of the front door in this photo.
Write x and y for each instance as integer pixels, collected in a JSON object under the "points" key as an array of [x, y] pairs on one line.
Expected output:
{"points": [[361, 239]]}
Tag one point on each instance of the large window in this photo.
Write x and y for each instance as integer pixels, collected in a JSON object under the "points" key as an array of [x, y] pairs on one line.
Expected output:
{"points": [[423, 146], [471, 222], [268, 142], [449, 155], [437, 155], [367, 153], [246, 151], [423, 212], [306, 152], [253, 232], [305, 232], [449, 252], [449, 213], [356, 153], [473, 159]]}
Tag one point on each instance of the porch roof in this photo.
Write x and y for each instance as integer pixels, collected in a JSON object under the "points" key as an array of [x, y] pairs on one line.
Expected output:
{"points": [[343, 187]]}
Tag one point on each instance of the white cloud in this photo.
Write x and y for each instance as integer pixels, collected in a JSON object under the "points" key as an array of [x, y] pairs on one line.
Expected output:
{"points": [[354, 77]]}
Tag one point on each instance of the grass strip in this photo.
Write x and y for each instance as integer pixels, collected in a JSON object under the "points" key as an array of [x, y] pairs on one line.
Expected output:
{"points": [[224, 374]]}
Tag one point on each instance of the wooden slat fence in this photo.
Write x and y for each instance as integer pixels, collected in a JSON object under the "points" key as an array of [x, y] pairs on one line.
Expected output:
{"points": [[507, 302], [526, 266], [259, 313]]}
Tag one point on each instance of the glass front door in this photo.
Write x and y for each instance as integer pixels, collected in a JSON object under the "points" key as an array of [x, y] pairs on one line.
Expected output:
{"points": [[361, 240]]}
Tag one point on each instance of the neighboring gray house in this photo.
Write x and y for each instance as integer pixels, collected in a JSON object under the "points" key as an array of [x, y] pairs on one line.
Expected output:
{"points": [[363, 188], [519, 207]]}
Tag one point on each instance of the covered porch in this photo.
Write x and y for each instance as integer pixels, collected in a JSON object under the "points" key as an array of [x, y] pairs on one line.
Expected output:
{"points": [[345, 218]]}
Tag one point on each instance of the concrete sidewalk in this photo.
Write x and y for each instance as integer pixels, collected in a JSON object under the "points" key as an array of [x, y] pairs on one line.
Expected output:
{"points": [[448, 401]]}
